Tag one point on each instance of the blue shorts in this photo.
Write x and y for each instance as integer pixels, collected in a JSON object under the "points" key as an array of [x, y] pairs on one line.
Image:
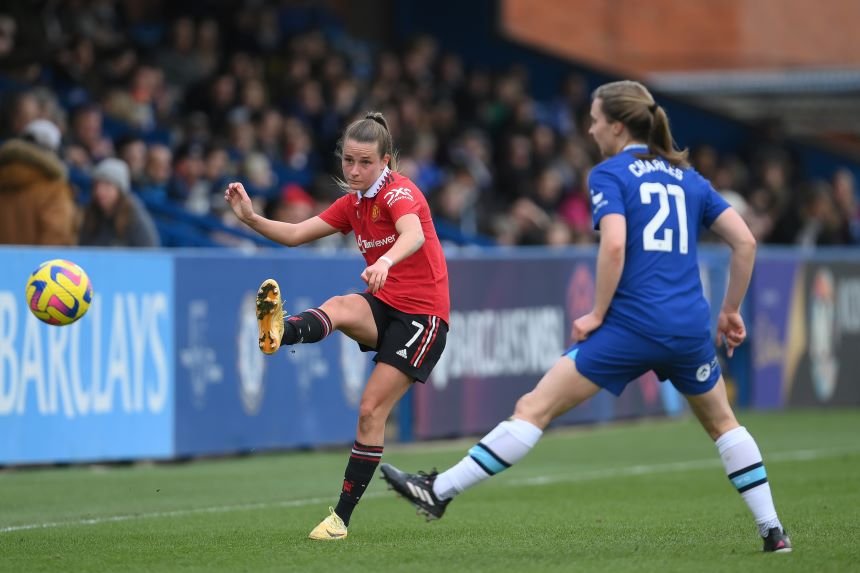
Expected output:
{"points": [[614, 355]]}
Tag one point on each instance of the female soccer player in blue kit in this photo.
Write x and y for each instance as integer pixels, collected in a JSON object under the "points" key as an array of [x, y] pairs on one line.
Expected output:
{"points": [[649, 311]]}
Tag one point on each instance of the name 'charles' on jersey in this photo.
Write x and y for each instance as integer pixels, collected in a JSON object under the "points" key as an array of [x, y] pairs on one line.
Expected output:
{"points": [[660, 291], [419, 283]]}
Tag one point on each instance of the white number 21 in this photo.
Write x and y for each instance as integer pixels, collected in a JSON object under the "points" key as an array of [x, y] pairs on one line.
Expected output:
{"points": [[649, 235]]}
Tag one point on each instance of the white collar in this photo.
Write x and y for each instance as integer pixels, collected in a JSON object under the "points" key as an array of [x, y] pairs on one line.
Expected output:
{"points": [[374, 189], [635, 146]]}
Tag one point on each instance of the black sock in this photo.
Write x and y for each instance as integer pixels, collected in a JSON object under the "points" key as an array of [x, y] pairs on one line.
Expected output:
{"points": [[309, 326], [359, 471]]}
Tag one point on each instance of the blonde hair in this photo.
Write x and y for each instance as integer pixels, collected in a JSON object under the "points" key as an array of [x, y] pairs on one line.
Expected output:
{"points": [[633, 105]]}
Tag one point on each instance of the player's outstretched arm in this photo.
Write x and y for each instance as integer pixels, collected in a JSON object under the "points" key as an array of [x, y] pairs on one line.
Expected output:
{"points": [[734, 231], [288, 234], [610, 264]]}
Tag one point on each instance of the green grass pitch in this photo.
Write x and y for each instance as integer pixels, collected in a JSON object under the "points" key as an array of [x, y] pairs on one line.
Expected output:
{"points": [[638, 496]]}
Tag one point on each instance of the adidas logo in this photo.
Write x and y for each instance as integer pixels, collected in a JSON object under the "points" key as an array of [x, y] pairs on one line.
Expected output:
{"points": [[421, 493], [402, 353]]}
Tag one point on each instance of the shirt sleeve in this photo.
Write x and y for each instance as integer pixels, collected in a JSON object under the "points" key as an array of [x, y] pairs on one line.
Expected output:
{"points": [[606, 197], [336, 214], [401, 201], [715, 204]]}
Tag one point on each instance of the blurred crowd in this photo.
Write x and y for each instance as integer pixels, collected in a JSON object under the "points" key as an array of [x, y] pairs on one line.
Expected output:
{"points": [[137, 107]]}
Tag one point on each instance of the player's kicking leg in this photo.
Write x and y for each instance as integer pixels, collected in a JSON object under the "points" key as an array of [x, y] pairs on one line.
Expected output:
{"points": [[278, 330]]}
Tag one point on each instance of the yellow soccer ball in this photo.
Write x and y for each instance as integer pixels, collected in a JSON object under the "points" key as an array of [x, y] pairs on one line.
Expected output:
{"points": [[59, 292]]}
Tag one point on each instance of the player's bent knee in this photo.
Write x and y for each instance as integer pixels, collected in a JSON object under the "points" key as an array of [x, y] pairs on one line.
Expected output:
{"points": [[341, 310], [371, 410], [371, 418], [335, 305], [367, 409]]}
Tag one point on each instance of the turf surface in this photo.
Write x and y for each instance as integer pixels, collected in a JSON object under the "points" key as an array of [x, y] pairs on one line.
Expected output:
{"points": [[639, 496]]}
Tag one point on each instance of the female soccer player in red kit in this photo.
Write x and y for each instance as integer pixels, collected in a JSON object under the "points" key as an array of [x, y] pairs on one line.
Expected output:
{"points": [[403, 315]]}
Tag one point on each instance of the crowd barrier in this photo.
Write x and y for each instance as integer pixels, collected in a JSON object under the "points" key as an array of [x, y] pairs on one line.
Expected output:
{"points": [[165, 365]]}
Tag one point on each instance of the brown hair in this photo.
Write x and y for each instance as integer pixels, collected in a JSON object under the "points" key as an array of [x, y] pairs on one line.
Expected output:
{"points": [[373, 128], [119, 220], [633, 105]]}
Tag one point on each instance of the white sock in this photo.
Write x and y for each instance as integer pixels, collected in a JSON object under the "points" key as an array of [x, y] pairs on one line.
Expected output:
{"points": [[742, 460], [504, 446]]}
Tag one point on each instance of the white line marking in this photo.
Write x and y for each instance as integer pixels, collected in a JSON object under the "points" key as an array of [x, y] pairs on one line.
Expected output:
{"points": [[799, 455], [175, 513]]}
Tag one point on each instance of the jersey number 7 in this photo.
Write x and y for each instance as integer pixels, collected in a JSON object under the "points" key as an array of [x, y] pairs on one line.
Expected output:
{"points": [[650, 240]]}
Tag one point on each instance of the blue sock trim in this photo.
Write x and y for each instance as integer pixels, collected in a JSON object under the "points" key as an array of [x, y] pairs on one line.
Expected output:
{"points": [[749, 477], [487, 459], [752, 485]]}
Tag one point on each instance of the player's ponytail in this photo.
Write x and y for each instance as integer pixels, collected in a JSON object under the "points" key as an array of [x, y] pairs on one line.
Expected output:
{"points": [[378, 118], [660, 141], [633, 105]]}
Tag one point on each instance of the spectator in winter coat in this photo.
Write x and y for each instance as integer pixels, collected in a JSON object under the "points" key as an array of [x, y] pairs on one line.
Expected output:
{"points": [[38, 206], [115, 217]]}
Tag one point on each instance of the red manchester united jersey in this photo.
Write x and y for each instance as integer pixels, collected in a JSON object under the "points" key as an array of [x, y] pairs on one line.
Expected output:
{"points": [[419, 283]]}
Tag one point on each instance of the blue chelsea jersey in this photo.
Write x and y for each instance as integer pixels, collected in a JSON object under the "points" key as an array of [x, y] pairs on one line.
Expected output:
{"points": [[660, 291]]}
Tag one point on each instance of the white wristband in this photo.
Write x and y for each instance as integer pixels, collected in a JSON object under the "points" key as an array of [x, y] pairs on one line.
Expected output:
{"points": [[387, 260]]}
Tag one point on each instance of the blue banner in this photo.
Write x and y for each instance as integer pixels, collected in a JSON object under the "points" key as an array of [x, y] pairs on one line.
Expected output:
{"points": [[101, 388], [232, 398], [773, 287], [166, 362]]}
